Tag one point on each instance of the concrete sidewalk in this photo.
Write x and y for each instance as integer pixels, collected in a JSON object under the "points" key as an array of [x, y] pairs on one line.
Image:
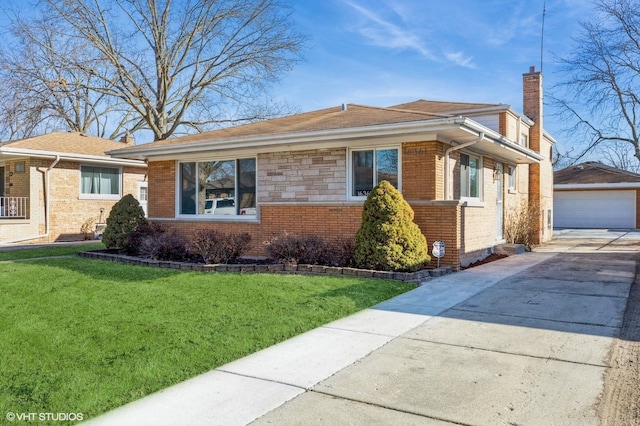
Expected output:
{"points": [[523, 340]]}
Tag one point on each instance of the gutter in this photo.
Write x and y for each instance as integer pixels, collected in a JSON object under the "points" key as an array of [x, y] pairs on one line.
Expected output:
{"points": [[95, 159], [47, 213], [447, 163]]}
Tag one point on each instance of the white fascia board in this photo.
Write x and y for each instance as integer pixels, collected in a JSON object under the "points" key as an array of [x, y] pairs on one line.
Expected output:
{"points": [[510, 147], [388, 133], [550, 138], [22, 152], [588, 186], [493, 109]]}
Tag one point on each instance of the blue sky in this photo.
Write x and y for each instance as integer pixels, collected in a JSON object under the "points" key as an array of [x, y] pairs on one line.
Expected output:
{"points": [[383, 53]]}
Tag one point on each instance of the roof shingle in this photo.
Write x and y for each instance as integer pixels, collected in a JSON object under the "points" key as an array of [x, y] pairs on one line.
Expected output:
{"points": [[67, 143]]}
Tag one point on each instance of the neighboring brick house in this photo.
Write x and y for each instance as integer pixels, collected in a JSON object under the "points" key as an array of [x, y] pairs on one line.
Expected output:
{"points": [[460, 166], [56, 186], [594, 195]]}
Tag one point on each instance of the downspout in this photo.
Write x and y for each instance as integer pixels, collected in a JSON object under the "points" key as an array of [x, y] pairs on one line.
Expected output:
{"points": [[447, 161], [47, 214]]}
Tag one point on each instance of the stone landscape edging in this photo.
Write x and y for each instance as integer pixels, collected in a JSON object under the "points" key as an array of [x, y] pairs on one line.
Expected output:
{"points": [[418, 277]]}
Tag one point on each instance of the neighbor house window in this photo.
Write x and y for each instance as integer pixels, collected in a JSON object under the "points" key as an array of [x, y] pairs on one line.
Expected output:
{"points": [[218, 188], [19, 167], [100, 182], [470, 168], [370, 167], [524, 140]]}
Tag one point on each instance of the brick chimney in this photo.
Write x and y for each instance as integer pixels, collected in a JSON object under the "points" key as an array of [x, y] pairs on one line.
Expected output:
{"points": [[540, 175], [127, 139], [532, 105]]}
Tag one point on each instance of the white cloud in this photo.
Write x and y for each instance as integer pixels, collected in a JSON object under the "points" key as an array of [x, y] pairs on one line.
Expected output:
{"points": [[460, 59], [382, 32], [390, 27]]}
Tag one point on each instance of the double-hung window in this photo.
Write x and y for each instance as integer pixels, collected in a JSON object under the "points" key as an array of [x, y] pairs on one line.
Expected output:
{"points": [[470, 176], [370, 167], [100, 182], [218, 188]]}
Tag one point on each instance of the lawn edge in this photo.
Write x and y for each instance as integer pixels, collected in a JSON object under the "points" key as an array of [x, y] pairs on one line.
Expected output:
{"points": [[419, 278]]}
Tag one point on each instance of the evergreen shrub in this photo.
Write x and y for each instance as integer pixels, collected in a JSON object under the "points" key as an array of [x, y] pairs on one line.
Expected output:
{"points": [[388, 238], [125, 216]]}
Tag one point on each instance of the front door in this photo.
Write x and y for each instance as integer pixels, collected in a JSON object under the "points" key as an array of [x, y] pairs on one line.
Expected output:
{"points": [[498, 178], [143, 196]]}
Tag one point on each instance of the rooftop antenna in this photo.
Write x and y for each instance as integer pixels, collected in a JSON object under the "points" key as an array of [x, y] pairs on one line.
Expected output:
{"points": [[544, 12]]}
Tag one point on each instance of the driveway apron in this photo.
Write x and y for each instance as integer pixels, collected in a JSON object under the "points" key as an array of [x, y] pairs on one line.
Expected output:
{"points": [[529, 349]]}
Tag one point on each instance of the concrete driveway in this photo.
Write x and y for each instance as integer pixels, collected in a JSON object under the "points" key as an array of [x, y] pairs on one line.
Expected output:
{"points": [[520, 341], [529, 349]]}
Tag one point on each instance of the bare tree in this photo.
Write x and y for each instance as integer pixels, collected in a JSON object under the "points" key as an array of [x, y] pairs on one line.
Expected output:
{"points": [[182, 66], [600, 93], [619, 155], [41, 92]]}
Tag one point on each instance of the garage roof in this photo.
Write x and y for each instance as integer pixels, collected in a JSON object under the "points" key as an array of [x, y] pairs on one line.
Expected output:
{"points": [[593, 172]]}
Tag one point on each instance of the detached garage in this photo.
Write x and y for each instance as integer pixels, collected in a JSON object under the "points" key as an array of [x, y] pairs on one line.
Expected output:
{"points": [[593, 195]]}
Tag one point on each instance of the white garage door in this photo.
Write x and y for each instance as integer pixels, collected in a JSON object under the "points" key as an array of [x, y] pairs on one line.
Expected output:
{"points": [[594, 209]]}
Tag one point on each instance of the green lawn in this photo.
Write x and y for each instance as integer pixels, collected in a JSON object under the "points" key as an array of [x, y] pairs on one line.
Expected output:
{"points": [[30, 253], [86, 336]]}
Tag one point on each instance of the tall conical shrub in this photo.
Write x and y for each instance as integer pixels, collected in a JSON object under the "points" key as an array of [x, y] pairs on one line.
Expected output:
{"points": [[125, 216], [388, 239]]}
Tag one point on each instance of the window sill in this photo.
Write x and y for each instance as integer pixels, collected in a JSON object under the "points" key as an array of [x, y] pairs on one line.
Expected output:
{"points": [[219, 219], [100, 197], [512, 191], [471, 202]]}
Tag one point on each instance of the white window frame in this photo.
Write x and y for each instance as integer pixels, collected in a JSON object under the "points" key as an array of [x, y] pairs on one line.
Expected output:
{"points": [[111, 197], [480, 182], [512, 181], [209, 217], [350, 180]]}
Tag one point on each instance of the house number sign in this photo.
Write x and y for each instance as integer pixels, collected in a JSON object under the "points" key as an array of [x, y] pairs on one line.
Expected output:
{"points": [[438, 250]]}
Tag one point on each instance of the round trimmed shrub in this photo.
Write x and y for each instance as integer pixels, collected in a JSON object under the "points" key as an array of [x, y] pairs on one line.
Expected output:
{"points": [[125, 216], [388, 238]]}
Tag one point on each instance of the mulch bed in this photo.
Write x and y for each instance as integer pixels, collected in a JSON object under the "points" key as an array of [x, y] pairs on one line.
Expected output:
{"points": [[490, 258]]}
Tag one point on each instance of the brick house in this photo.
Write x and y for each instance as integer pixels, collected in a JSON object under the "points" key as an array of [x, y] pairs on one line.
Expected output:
{"points": [[461, 166], [57, 186]]}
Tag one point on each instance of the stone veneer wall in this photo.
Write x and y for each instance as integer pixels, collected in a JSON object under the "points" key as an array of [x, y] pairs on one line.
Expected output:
{"points": [[303, 176]]}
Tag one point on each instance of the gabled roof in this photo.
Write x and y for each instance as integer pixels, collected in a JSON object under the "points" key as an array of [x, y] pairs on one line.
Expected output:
{"points": [[593, 172], [68, 145]]}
